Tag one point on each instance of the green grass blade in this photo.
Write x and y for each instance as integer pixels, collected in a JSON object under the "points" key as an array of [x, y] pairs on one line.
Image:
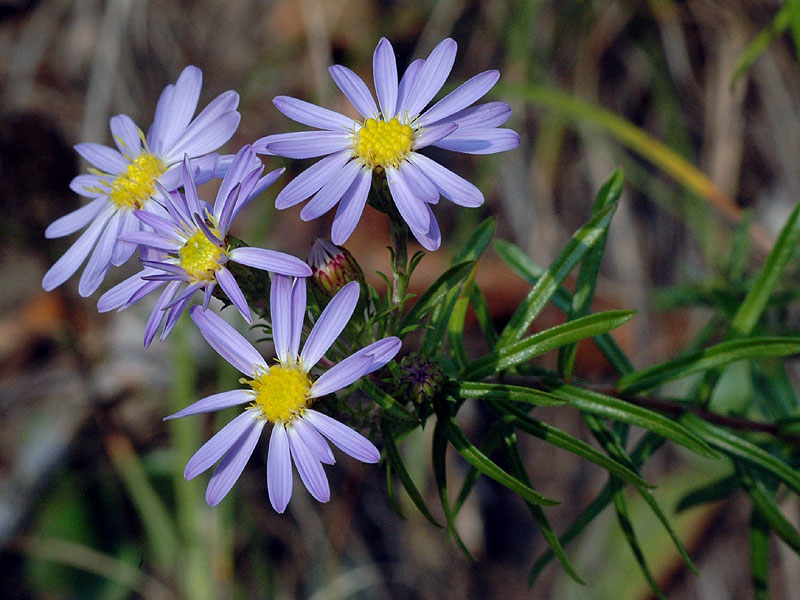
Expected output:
{"points": [[455, 327], [434, 295], [484, 317], [780, 22], [500, 391], [759, 555], [765, 503], [713, 492]]}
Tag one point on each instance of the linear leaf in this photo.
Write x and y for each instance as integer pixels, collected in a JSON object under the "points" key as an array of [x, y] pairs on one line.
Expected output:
{"points": [[764, 502], [754, 49], [455, 327], [543, 341], [434, 294], [581, 241], [718, 489], [501, 391], [759, 555], [709, 358], [385, 401]]}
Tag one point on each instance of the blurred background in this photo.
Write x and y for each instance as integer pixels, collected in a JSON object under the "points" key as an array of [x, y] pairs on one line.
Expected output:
{"points": [[92, 501]]}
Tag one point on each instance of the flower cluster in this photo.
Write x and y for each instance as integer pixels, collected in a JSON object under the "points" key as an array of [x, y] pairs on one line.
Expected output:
{"points": [[144, 195]]}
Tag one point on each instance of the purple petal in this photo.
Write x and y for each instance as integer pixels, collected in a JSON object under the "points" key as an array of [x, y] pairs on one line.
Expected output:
{"points": [[90, 185], [298, 308], [330, 324], [461, 97], [219, 444], [434, 133], [227, 282], [481, 141], [419, 185], [312, 440], [365, 361], [123, 249], [279, 469], [312, 115], [344, 438], [384, 73], [214, 126], [72, 222], [100, 260], [158, 314], [228, 342], [175, 108], [172, 317], [411, 208], [189, 187], [308, 144], [126, 135], [483, 116], [152, 240], [215, 402], [451, 186], [158, 223], [355, 89], [233, 464], [280, 303], [244, 163], [431, 238], [104, 158], [119, 294], [331, 192], [432, 76], [350, 207], [406, 84], [310, 469], [311, 180], [270, 260]]}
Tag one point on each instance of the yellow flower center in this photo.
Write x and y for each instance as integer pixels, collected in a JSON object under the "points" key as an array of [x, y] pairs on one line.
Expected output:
{"points": [[383, 143], [137, 182], [282, 392], [199, 257]]}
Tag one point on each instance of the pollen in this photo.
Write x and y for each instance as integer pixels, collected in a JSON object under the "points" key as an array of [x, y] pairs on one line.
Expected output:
{"points": [[199, 257], [137, 182], [282, 392], [383, 143]]}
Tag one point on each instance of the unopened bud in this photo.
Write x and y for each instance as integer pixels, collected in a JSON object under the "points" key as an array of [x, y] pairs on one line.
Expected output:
{"points": [[332, 266], [421, 378]]}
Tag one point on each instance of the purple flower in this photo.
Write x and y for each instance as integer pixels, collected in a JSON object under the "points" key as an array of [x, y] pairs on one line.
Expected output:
{"points": [[282, 393], [388, 140], [125, 180], [187, 247]]}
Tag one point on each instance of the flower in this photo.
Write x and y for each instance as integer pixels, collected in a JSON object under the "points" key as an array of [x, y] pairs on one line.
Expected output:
{"points": [[332, 266], [388, 140], [125, 180], [282, 393], [187, 247]]}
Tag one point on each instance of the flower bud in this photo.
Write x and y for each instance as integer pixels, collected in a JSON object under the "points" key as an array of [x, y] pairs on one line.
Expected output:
{"points": [[332, 266], [421, 378]]}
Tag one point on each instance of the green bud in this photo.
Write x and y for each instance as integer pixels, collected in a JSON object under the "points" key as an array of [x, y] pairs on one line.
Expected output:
{"points": [[421, 378]]}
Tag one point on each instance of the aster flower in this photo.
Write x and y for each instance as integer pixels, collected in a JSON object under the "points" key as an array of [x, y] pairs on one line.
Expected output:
{"points": [[125, 179], [332, 266], [282, 393], [187, 248], [388, 140]]}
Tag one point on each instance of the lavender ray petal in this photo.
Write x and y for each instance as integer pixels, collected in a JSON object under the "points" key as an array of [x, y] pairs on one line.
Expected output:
{"points": [[350, 207], [482, 116], [405, 85], [309, 144], [312, 115], [434, 133], [186, 294], [280, 307], [262, 184], [340, 375], [119, 294], [228, 342], [104, 158], [312, 440], [354, 88], [123, 249], [419, 185], [461, 97], [327, 197], [344, 438], [227, 282], [384, 73], [430, 239], [90, 185], [214, 126], [219, 444], [72, 222], [243, 163], [158, 223], [270, 260], [329, 325], [152, 240], [279, 469], [451, 186], [298, 315], [432, 76], [175, 108], [231, 467], [126, 135], [481, 141], [100, 260], [158, 314], [208, 293], [189, 187], [215, 402], [173, 315], [411, 208], [310, 469], [311, 180]]}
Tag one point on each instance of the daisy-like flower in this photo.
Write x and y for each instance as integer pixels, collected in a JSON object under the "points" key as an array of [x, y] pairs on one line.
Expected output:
{"points": [[124, 180], [187, 247], [388, 140], [282, 393]]}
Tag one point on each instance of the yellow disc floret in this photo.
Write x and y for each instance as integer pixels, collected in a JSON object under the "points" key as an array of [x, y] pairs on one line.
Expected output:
{"points": [[282, 392], [383, 143], [137, 182], [199, 257]]}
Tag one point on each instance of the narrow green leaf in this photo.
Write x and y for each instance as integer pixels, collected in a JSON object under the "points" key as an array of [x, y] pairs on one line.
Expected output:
{"points": [[552, 435], [764, 502], [481, 308], [434, 294], [543, 341], [396, 461], [518, 469], [739, 448], [478, 242], [385, 401], [780, 22], [590, 268], [501, 391], [562, 298], [759, 555], [713, 492], [580, 243], [486, 466], [702, 360], [619, 410], [455, 327]]}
